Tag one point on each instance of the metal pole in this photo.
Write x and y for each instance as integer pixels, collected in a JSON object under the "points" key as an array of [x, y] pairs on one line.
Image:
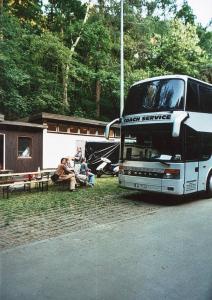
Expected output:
{"points": [[122, 59]]}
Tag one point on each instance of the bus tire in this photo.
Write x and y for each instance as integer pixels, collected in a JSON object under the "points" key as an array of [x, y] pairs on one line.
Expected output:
{"points": [[209, 185]]}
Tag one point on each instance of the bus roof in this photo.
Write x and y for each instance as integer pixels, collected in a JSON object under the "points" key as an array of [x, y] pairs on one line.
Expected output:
{"points": [[184, 77]]}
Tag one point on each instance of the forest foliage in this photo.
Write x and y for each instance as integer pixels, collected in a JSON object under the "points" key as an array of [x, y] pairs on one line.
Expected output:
{"points": [[63, 56]]}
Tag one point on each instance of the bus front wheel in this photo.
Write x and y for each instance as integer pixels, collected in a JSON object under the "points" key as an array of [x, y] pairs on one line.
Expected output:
{"points": [[209, 185]]}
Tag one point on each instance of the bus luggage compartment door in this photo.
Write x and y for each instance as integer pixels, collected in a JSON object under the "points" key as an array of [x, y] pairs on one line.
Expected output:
{"points": [[191, 177], [204, 168]]}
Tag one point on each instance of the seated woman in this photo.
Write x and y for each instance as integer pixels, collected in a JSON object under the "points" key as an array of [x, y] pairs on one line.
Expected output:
{"points": [[84, 170], [64, 173], [80, 179]]}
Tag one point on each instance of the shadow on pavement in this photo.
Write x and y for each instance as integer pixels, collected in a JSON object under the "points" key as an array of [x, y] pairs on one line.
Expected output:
{"points": [[162, 199]]}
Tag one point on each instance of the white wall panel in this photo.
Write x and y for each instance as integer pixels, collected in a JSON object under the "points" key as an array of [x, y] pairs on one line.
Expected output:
{"points": [[56, 146]]}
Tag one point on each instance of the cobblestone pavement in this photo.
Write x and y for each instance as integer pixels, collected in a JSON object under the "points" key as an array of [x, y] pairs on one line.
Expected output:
{"points": [[57, 221]]}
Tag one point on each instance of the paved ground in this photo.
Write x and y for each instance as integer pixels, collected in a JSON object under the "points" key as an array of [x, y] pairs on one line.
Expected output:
{"points": [[163, 255], [60, 220]]}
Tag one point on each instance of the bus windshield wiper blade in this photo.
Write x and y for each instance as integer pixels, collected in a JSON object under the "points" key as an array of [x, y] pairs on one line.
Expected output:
{"points": [[162, 162]]}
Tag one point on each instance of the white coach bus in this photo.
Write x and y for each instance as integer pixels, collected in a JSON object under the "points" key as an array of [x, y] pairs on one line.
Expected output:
{"points": [[166, 136]]}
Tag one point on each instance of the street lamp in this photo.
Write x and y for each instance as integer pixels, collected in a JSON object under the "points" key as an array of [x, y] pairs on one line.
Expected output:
{"points": [[122, 59]]}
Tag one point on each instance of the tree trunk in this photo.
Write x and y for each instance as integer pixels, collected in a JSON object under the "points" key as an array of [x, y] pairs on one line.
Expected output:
{"points": [[1, 8], [98, 93], [101, 6], [66, 67], [65, 71]]}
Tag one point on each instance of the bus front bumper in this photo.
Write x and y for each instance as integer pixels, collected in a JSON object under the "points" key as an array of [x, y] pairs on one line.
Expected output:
{"points": [[166, 186]]}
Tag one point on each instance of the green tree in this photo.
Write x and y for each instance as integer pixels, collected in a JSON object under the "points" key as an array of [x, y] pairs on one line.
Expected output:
{"points": [[95, 52], [65, 57], [13, 77], [185, 14], [48, 55], [62, 14], [178, 51], [28, 12]]}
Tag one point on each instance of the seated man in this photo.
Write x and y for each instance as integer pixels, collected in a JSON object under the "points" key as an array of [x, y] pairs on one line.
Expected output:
{"points": [[64, 173], [80, 179]]}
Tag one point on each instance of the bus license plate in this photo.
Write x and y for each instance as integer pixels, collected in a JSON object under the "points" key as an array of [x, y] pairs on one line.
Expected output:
{"points": [[140, 186]]}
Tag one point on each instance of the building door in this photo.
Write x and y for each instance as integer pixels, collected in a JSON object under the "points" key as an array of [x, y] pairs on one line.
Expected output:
{"points": [[2, 152]]}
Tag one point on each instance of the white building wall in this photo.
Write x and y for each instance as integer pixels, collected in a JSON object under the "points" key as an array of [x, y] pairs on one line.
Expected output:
{"points": [[57, 145]]}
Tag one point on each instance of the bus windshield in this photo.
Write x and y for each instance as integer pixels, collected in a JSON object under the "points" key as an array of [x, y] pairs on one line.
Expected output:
{"points": [[157, 95], [150, 145]]}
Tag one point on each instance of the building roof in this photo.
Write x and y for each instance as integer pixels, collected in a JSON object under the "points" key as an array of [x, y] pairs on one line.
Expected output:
{"points": [[41, 117], [22, 124]]}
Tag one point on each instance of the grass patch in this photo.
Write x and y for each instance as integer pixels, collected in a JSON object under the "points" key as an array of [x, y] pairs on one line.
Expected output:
{"points": [[23, 204]]}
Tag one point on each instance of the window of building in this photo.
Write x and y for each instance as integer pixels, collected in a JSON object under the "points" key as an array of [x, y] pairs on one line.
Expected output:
{"points": [[24, 147], [63, 128], [100, 131], [83, 130], [111, 134], [52, 127], [93, 130], [73, 129]]}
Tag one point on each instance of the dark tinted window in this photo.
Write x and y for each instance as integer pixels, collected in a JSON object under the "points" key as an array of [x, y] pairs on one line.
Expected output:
{"points": [[206, 146], [158, 95], [151, 143], [192, 99], [205, 94], [192, 149]]}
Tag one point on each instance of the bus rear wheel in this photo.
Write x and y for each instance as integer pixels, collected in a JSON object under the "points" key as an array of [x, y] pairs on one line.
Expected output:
{"points": [[209, 185]]}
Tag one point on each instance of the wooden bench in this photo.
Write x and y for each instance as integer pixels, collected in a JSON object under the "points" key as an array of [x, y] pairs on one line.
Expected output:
{"points": [[62, 183], [65, 183], [9, 182], [5, 188]]}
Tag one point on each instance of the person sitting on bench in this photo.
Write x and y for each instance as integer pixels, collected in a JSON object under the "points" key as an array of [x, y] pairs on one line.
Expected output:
{"points": [[84, 170], [80, 179], [63, 173]]}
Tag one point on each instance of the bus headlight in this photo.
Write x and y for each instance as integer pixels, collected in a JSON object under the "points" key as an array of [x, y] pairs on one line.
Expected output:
{"points": [[171, 174]]}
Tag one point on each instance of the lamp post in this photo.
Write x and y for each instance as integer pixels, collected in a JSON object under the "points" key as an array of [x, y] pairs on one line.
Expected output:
{"points": [[122, 59]]}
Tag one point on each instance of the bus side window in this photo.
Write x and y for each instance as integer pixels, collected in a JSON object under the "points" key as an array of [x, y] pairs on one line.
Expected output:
{"points": [[129, 153], [205, 94], [192, 99], [206, 146], [192, 149]]}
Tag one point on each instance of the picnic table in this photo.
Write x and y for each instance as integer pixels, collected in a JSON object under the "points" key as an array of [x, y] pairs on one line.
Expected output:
{"points": [[10, 181], [5, 171]]}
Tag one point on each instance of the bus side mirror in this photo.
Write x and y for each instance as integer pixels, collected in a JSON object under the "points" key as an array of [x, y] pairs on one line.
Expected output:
{"points": [[177, 123], [107, 129]]}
